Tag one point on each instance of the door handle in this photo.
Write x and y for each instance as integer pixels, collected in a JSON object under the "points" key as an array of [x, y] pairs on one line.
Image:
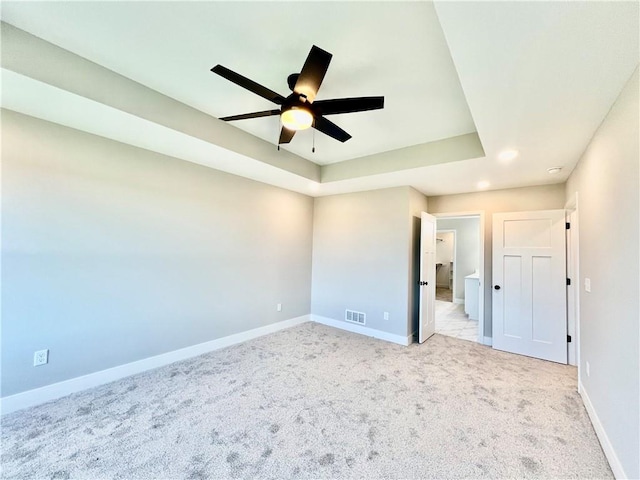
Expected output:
{"points": [[424, 283], [497, 287]]}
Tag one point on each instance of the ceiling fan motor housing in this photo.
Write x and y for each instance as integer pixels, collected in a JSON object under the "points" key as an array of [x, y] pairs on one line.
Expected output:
{"points": [[291, 80]]}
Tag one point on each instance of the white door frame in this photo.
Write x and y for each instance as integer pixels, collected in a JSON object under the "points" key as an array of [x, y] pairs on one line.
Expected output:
{"points": [[572, 212], [481, 270], [453, 287]]}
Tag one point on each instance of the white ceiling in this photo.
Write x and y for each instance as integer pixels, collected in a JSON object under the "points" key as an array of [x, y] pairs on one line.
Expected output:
{"points": [[535, 76], [396, 50]]}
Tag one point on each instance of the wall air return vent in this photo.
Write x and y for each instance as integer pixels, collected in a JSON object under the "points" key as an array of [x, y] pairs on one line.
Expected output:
{"points": [[355, 317]]}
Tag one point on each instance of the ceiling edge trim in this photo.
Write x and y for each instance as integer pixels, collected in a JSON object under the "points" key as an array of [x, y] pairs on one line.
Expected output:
{"points": [[461, 147], [30, 56]]}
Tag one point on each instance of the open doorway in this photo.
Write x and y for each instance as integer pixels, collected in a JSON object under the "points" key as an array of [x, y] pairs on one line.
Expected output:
{"points": [[459, 269]]}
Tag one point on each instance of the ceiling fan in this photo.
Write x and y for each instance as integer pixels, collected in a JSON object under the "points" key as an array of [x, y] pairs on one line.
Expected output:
{"points": [[299, 111]]}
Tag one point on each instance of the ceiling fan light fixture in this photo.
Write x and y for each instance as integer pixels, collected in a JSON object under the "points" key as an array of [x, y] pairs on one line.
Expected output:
{"points": [[298, 111], [296, 118]]}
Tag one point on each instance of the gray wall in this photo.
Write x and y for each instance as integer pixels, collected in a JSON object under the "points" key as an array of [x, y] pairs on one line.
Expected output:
{"points": [[543, 197], [361, 253], [606, 180], [112, 254], [467, 248]]}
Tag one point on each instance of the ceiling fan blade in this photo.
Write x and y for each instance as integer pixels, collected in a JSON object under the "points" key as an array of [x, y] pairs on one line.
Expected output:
{"points": [[312, 73], [250, 85], [286, 135], [348, 105], [329, 128], [245, 116]]}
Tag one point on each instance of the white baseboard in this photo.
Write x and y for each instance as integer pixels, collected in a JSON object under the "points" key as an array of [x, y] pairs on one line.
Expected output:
{"points": [[370, 332], [487, 341], [44, 394], [607, 447], [459, 301]]}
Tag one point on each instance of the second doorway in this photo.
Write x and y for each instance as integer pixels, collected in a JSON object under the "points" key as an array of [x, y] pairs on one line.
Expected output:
{"points": [[458, 266]]}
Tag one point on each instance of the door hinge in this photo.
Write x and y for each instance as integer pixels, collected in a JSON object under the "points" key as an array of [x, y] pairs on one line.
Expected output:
{"points": [[568, 281], [568, 338], [567, 225]]}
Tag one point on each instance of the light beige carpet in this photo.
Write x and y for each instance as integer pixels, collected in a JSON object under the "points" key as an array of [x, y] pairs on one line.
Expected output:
{"points": [[315, 402]]}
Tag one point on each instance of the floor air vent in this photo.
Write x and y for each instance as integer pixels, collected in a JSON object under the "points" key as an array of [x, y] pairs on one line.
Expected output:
{"points": [[355, 317]]}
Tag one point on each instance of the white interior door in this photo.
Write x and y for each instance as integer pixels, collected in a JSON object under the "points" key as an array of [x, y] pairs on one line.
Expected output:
{"points": [[529, 282], [427, 326]]}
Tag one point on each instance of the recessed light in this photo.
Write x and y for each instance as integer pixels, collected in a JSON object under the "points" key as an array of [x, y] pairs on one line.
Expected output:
{"points": [[554, 170], [483, 184], [508, 155]]}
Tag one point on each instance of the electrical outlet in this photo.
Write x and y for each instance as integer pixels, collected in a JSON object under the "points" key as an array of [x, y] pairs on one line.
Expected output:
{"points": [[40, 357], [588, 370], [587, 285], [386, 315], [279, 307]]}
